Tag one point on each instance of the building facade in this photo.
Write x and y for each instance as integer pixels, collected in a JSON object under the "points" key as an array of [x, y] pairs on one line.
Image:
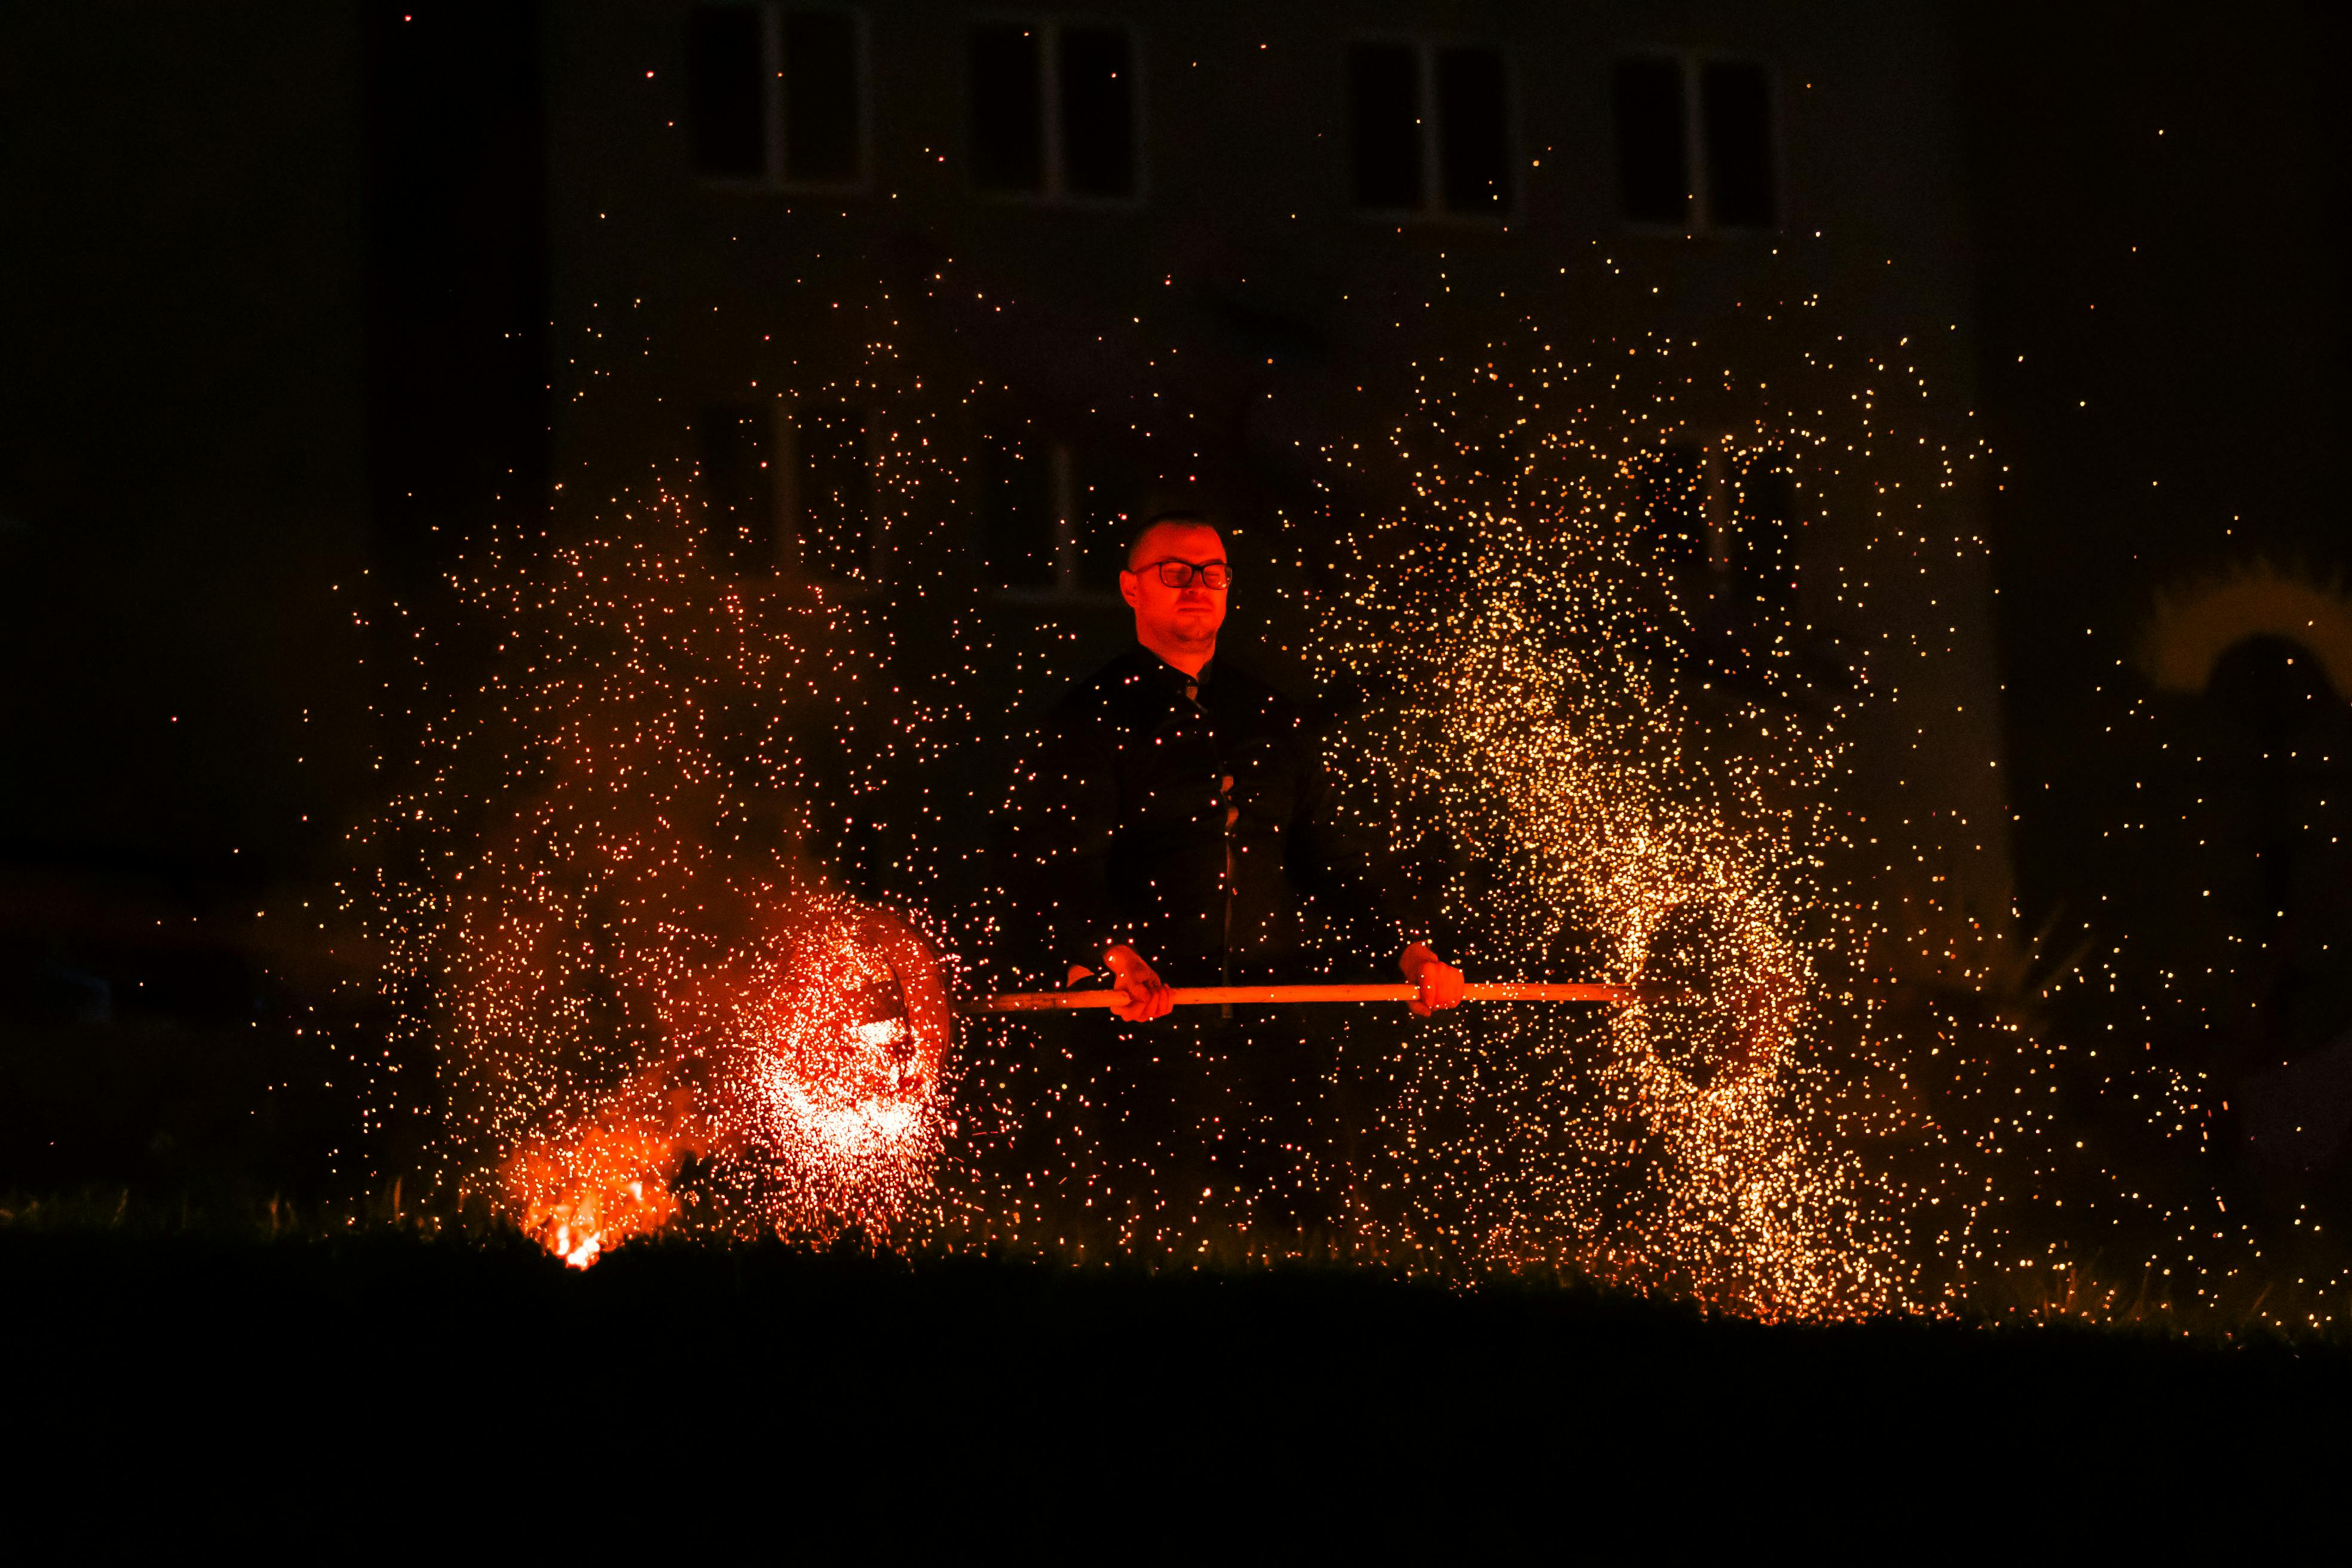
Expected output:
{"points": [[1265, 222]]}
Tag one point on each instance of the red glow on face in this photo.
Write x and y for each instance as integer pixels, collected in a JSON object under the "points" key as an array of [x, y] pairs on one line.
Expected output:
{"points": [[1166, 617]]}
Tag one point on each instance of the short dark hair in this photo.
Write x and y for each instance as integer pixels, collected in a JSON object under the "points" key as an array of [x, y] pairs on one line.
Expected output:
{"points": [[1182, 518]]}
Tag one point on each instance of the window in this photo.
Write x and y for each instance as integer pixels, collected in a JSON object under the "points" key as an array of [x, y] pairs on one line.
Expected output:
{"points": [[776, 94], [1053, 110], [1736, 129], [737, 488], [1729, 513], [831, 498], [1103, 496], [1670, 493], [787, 490], [1661, 121], [1019, 513], [1406, 158], [1384, 125], [724, 117], [1653, 181], [1472, 142], [1052, 527], [1760, 519]]}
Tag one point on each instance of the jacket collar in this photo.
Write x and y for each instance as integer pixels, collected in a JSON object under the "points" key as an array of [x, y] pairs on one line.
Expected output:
{"points": [[1149, 665]]}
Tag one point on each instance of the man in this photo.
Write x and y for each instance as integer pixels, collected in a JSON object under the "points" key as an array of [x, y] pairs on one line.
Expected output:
{"points": [[1187, 810], [1175, 827]]}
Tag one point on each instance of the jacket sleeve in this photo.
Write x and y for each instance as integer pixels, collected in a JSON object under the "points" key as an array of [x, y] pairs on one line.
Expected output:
{"points": [[1348, 866], [1060, 812]]}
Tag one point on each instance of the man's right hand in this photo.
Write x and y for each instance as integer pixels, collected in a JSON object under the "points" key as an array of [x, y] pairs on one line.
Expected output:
{"points": [[1142, 994]]}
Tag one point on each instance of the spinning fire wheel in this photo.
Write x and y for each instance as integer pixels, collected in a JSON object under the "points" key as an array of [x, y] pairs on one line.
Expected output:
{"points": [[1721, 994]]}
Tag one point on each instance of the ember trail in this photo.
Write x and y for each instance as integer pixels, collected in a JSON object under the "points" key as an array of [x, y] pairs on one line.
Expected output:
{"points": [[1608, 673], [606, 941]]}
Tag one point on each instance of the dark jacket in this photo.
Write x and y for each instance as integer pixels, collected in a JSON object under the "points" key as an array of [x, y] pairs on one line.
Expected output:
{"points": [[1194, 820]]}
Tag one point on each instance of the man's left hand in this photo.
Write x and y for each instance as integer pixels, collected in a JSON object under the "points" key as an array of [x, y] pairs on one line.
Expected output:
{"points": [[1440, 982]]}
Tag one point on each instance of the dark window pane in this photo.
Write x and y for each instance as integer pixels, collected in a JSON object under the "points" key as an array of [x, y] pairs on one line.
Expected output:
{"points": [[1384, 125], [738, 497], [723, 90], [836, 492], [1097, 112], [1008, 127], [1735, 110], [1763, 516], [820, 87], [1652, 163], [1670, 498], [1108, 493], [1016, 511], [1474, 130], [2281, 739]]}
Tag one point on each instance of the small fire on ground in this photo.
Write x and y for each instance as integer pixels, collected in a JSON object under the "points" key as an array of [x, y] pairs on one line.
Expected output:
{"points": [[813, 1080]]}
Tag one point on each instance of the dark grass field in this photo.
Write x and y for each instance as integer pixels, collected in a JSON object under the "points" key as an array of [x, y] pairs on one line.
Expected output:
{"points": [[178, 1384], [321, 1383], [318, 1382]]}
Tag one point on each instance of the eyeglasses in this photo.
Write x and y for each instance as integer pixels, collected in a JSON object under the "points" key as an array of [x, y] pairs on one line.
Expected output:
{"points": [[1214, 575]]}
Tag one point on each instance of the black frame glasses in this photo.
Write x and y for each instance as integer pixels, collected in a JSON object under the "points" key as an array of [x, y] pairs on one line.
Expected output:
{"points": [[1214, 575]]}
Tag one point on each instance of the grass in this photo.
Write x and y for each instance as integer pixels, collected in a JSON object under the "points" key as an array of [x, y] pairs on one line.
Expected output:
{"points": [[352, 1357]]}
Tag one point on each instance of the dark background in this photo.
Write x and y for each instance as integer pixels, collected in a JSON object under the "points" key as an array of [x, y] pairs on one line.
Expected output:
{"points": [[280, 314]]}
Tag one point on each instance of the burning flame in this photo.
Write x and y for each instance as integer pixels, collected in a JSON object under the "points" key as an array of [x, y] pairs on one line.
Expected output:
{"points": [[820, 1078], [583, 1193]]}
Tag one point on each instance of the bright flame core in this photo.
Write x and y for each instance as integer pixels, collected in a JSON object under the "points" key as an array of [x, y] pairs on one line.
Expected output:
{"points": [[819, 1082]]}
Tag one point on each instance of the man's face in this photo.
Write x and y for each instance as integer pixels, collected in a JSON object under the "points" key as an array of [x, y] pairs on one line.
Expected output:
{"points": [[1186, 616]]}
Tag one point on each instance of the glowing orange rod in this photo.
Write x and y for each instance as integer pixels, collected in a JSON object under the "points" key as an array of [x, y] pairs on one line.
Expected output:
{"points": [[1203, 995]]}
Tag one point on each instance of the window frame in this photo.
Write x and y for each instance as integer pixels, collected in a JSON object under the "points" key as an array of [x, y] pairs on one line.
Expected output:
{"points": [[1433, 209], [1697, 221], [765, 429], [1056, 192], [1068, 590], [1717, 475], [773, 115]]}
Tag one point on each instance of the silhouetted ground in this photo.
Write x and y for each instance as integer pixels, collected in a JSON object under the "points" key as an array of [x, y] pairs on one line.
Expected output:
{"points": [[195, 1386], [176, 1377]]}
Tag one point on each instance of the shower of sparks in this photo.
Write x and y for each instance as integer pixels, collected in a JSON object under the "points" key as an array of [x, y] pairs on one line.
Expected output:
{"points": [[1650, 656], [606, 936], [1611, 686], [1654, 637]]}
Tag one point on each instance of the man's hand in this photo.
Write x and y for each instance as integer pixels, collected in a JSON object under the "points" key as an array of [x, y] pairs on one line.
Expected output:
{"points": [[1440, 982], [1143, 996]]}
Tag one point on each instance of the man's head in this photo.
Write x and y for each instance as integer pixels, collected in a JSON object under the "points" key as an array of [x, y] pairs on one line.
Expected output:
{"points": [[1170, 563]]}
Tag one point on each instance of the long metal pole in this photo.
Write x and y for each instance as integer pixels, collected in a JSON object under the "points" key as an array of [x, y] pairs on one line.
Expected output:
{"points": [[1216, 995]]}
